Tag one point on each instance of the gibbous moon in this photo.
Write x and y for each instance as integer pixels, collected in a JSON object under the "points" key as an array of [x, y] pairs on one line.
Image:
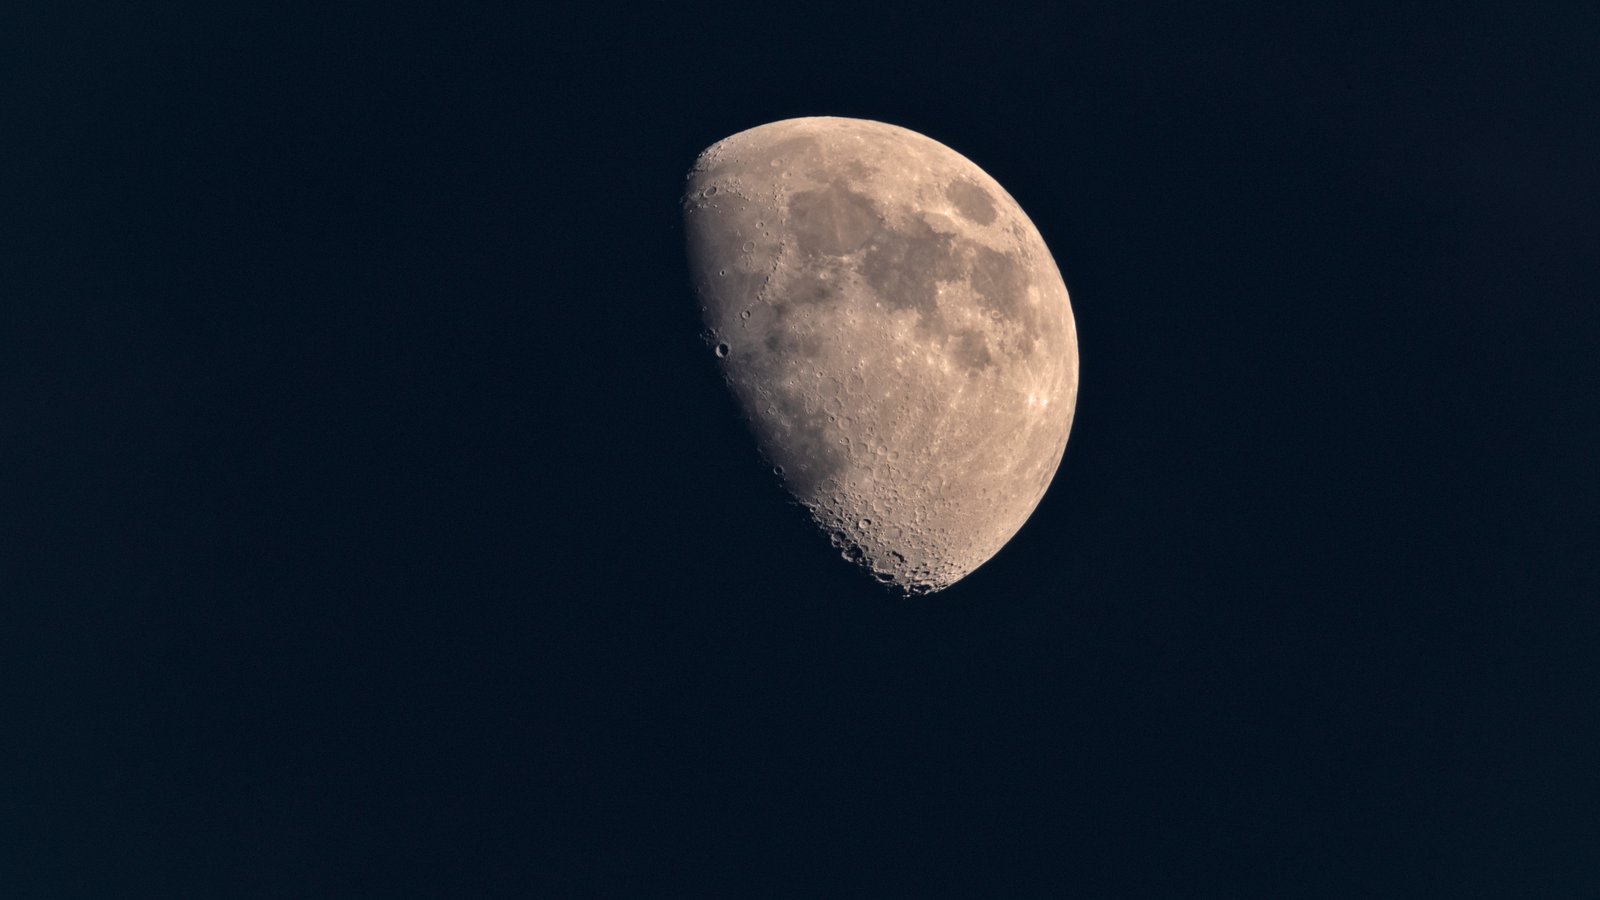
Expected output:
{"points": [[896, 332]]}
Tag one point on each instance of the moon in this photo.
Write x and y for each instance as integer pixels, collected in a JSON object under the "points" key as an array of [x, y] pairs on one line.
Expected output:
{"points": [[895, 331]]}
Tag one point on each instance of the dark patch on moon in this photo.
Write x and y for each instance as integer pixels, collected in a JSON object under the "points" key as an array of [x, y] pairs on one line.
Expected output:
{"points": [[787, 340], [786, 333], [810, 289], [971, 349], [906, 266], [971, 201], [1000, 282], [808, 457], [834, 221], [794, 431]]}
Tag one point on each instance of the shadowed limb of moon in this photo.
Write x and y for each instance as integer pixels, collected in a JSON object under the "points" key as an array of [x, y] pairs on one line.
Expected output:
{"points": [[896, 332]]}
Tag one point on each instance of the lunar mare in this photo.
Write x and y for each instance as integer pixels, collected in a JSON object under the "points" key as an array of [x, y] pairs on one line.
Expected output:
{"points": [[895, 331]]}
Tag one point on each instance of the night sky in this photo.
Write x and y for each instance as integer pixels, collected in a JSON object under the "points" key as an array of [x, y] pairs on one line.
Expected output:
{"points": [[373, 522]]}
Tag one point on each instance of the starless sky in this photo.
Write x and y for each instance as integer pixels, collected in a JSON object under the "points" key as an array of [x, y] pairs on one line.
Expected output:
{"points": [[374, 522]]}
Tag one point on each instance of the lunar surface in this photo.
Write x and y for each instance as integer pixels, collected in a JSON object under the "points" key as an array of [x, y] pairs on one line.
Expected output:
{"points": [[896, 332]]}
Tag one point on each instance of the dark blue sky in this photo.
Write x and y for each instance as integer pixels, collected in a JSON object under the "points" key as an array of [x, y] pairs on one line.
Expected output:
{"points": [[374, 523]]}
